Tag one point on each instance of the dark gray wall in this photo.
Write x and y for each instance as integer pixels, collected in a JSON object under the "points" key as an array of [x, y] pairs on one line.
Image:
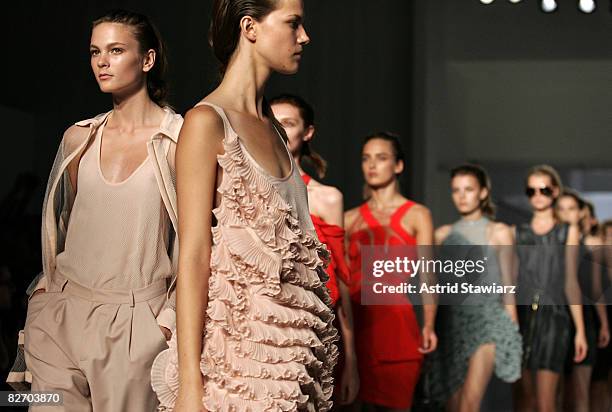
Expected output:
{"points": [[509, 86]]}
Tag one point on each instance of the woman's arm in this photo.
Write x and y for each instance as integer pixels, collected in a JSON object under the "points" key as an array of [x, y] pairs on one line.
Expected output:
{"points": [[572, 291], [333, 213], [597, 290], [423, 226], [200, 142], [71, 140], [503, 241]]}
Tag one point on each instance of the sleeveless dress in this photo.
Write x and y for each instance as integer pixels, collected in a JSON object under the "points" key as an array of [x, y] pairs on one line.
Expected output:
{"points": [[461, 329], [333, 237], [386, 337], [546, 324], [269, 339]]}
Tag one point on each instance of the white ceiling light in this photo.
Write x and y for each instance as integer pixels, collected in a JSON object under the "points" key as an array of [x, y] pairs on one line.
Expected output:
{"points": [[549, 6], [486, 1], [586, 6]]}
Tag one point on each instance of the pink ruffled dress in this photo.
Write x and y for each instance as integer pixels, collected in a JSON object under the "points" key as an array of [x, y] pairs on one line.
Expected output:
{"points": [[269, 340]]}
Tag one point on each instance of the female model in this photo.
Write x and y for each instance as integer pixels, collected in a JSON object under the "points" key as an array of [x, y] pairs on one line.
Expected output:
{"points": [[601, 389], [326, 210], [388, 343], [477, 339], [108, 230], [547, 280], [254, 323], [570, 209]]}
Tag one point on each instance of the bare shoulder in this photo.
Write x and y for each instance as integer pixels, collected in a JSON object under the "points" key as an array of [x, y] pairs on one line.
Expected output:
{"points": [[327, 195], [502, 234], [442, 233], [202, 129], [418, 212]]}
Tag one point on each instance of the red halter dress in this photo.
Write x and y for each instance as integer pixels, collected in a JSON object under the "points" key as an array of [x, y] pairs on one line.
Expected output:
{"points": [[333, 237], [387, 337]]}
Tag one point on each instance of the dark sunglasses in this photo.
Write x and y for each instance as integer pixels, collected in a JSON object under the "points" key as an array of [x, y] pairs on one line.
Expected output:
{"points": [[544, 191]]}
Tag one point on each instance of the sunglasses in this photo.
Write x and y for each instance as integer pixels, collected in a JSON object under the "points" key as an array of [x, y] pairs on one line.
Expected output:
{"points": [[544, 191]]}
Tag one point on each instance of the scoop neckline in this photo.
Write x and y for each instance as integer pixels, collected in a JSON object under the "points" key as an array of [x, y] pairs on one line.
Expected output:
{"points": [[99, 159], [250, 156]]}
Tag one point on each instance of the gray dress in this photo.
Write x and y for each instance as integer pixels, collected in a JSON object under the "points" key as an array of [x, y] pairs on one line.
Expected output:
{"points": [[462, 329]]}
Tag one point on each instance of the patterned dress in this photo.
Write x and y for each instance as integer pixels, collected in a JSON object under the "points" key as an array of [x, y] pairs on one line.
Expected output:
{"points": [[462, 329]]}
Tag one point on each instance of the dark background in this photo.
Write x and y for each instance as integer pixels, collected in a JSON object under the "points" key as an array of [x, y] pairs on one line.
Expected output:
{"points": [[503, 85]]}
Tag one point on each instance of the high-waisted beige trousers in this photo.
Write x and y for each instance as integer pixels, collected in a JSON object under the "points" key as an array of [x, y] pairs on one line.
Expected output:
{"points": [[95, 346]]}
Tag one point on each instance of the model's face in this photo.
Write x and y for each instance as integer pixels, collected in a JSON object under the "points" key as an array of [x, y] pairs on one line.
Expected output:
{"points": [[289, 117], [540, 201], [378, 163], [568, 210], [467, 193], [281, 37], [116, 59]]}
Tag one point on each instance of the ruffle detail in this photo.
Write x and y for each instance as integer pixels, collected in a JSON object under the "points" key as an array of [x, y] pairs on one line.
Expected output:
{"points": [[269, 340]]}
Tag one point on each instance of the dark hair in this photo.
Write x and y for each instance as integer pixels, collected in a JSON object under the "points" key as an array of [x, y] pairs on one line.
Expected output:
{"points": [[486, 205], [307, 115], [148, 38], [396, 147], [594, 228], [568, 192], [392, 138], [590, 206], [224, 31]]}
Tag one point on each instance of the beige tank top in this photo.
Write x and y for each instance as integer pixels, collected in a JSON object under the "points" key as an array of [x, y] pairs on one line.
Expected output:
{"points": [[118, 233]]}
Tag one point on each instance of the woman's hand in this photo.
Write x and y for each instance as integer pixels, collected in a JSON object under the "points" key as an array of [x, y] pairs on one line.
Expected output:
{"points": [[190, 399], [429, 340], [580, 347], [604, 336], [349, 384]]}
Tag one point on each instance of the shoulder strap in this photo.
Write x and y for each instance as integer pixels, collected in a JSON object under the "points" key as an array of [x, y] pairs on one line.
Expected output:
{"points": [[367, 215], [401, 211], [396, 220]]}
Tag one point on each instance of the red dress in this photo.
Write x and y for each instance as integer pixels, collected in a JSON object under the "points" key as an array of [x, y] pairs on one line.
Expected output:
{"points": [[387, 338], [333, 237]]}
